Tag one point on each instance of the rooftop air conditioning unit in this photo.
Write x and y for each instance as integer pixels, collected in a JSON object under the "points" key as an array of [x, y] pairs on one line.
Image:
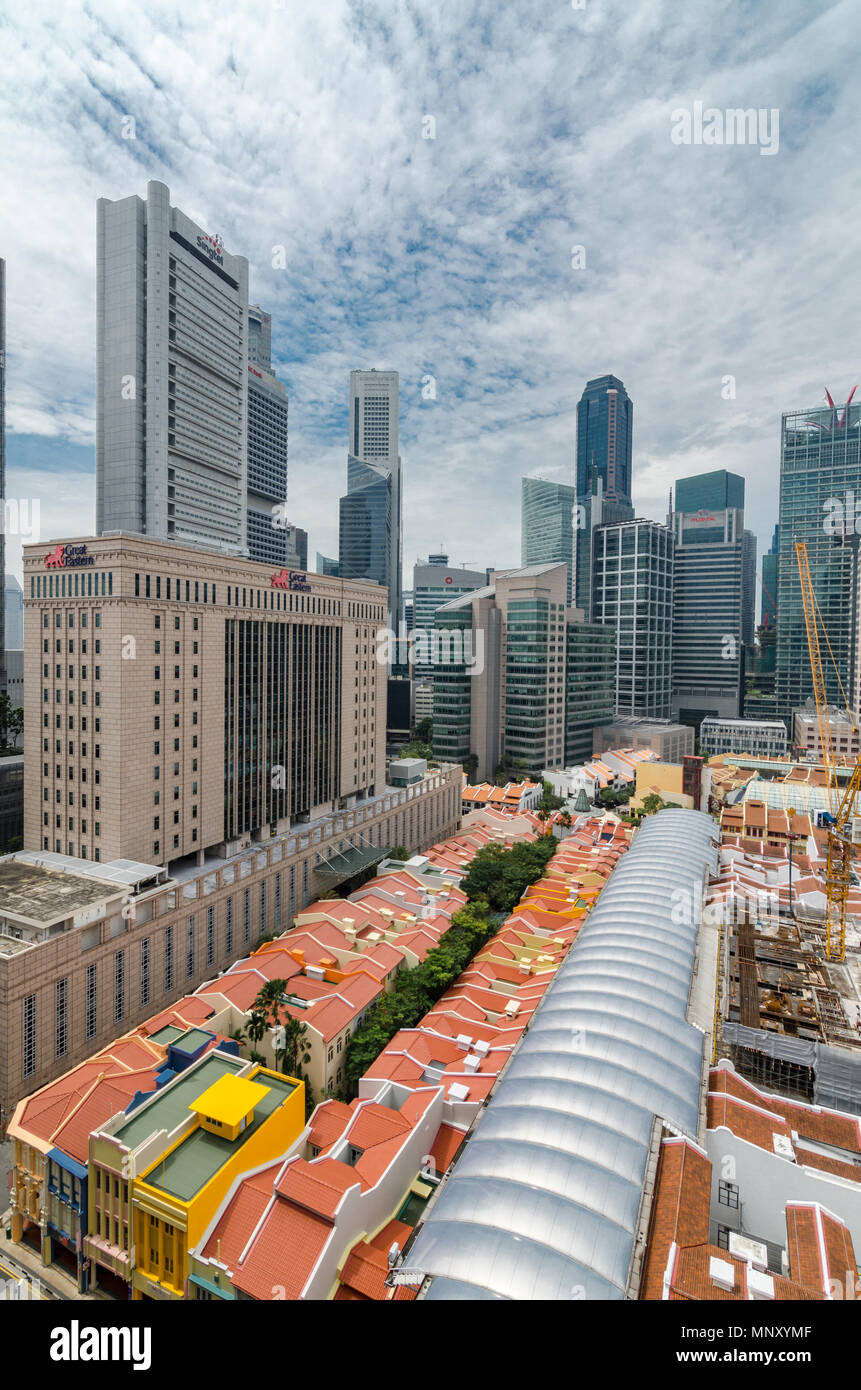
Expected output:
{"points": [[783, 1145], [722, 1273], [754, 1251], [759, 1284]]}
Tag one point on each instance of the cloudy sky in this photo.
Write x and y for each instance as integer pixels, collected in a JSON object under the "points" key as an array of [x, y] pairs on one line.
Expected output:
{"points": [[303, 124]]}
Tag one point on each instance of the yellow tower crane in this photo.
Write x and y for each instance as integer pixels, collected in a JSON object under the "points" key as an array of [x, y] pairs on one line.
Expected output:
{"points": [[844, 830]]}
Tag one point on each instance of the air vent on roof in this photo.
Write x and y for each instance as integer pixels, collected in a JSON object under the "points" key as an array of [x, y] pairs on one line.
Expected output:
{"points": [[481, 1047], [759, 1284], [754, 1251], [463, 1041], [512, 1007], [458, 1092], [783, 1145], [471, 1063], [722, 1274]]}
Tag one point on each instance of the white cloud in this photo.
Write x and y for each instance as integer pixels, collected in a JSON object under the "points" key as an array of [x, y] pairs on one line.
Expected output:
{"points": [[302, 126]]}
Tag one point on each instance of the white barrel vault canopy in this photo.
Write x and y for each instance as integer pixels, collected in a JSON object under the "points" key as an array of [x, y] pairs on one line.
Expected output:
{"points": [[543, 1203]]}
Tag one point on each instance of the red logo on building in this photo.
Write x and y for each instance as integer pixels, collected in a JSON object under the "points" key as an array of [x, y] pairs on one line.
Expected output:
{"points": [[281, 581], [448, 579], [57, 558]]}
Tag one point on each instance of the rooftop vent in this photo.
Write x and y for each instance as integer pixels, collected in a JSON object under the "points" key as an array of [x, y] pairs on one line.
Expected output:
{"points": [[783, 1145], [722, 1274], [754, 1251], [759, 1284]]}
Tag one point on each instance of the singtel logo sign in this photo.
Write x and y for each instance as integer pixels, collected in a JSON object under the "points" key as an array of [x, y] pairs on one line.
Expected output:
{"points": [[212, 246]]}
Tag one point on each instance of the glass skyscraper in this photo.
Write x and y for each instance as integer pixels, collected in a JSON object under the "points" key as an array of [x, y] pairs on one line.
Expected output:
{"points": [[820, 492], [713, 594], [605, 431], [547, 525], [769, 581], [370, 545], [633, 592], [270, 538], [712, 492]]}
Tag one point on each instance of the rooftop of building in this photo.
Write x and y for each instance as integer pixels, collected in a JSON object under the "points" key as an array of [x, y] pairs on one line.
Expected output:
{"points": [[42, 893], [170, 1107], [188, 1167]]}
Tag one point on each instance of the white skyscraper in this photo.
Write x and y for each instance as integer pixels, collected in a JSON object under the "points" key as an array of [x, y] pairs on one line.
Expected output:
{"points": [[171, 391], [371, 512]]}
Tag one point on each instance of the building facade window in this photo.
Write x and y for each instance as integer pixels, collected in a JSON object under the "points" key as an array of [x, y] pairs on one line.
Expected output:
{"points": [[29, 1035], [145, 971], [119, 985], [62, 1017], [168, 959], [92, 1001]]}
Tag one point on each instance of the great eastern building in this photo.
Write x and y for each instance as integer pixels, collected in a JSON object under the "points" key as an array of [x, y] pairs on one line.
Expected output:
{"points": [[210, 755]]}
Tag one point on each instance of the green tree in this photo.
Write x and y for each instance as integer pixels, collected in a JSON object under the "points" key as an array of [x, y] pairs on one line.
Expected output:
{"points": [[11, 725], [424, 730], [470, 766], [399, 852], [549, 799], [256, 1027], [295, 1046], [652, 803], [268, 1005], [416, 749]]}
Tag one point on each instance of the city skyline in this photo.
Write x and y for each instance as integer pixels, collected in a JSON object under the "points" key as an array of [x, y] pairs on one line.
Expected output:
{"points": [[461, 276]]}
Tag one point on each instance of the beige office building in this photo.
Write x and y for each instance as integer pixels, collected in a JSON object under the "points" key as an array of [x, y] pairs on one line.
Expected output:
{"points": [[204, 754]]}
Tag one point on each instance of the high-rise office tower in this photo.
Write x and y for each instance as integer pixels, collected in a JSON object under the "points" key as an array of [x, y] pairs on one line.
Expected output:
{"points": [[713, 596], [433, 585], [370, 539], [537, 681], [547, 525], [2, 461], [327, 565], [171, 376], [510, 705], [245, 720], [605, 431], [633, 592], [769, 581], [748, 589], [593, 510], [259, 337], [269, 532], [820, 491], [14, 614]]}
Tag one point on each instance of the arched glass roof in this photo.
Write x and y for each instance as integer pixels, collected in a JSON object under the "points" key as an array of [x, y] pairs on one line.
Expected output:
{"points": [[543, 1202]]}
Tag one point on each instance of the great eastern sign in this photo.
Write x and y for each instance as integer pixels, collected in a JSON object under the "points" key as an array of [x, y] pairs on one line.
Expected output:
{"points": [[294, 580], [66, 557]]}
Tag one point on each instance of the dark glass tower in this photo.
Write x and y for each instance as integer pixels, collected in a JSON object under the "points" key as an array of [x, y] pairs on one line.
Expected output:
{"points": [[605, 430], [820, 490]]}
